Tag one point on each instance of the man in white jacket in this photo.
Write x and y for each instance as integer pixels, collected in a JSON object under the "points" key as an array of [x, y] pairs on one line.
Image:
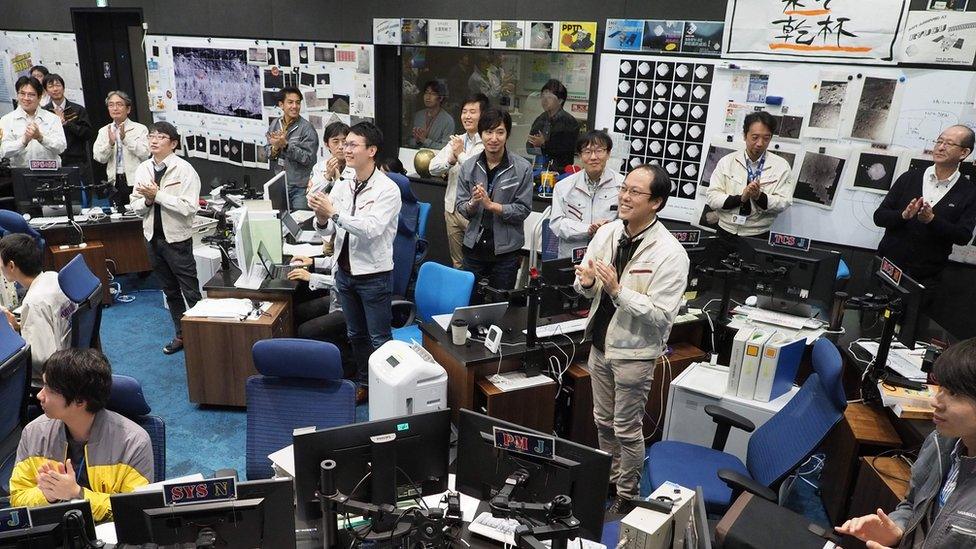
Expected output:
{"points": [[635, 271], [167, 195], [122, 145], [30, 132]]}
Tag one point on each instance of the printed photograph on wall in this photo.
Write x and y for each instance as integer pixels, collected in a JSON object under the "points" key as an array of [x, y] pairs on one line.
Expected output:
{"points": [[874, 172], [714, 154], [818, 180], [875, 115], [825, 112], [217, 81]]}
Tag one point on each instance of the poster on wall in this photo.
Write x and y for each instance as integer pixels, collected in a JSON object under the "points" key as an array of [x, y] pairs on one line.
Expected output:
{"points": [[703, 37], [862, 31], [542, 35], [475, 34], [442, 32], [507, 35], [955, 5], [939, 38], [413, 32], [662, 36], [624, 34], [386, 32], [577, 36]]}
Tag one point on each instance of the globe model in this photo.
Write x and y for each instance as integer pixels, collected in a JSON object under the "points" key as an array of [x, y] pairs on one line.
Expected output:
{"points": [[421, 162]]}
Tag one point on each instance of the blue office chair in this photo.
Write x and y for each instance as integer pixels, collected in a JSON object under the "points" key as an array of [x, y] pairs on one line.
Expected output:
{"points": [[440, 290], [128, 400], [13, 222], [15, 374], [424, 214], [775, 449], [550, 242], [299, 384], [405, 242], [84, 289]]}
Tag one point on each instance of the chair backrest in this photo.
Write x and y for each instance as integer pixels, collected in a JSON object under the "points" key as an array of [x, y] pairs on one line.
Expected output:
{"points": [[550, 242], [782, 443], [85, 290], [128, 399], [15, 375], [299, 384], [424, 214], [13, 222], [441, 289]]}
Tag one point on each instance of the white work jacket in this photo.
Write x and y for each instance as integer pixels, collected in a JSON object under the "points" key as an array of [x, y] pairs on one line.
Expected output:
{"points": [[14, 124], [575, 208], [135, 150], [178, 198], [731, 177], [440, 164]]}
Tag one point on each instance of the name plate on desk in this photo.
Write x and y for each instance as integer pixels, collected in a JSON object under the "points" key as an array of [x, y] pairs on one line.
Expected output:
{"points": [[890, 271], [14, 518], [793, 242], [688, 238], [200, 491], [43, 165], [525, 443]]}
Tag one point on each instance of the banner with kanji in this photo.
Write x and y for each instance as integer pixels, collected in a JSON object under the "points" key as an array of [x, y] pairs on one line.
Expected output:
{"points": [[855, 31]]}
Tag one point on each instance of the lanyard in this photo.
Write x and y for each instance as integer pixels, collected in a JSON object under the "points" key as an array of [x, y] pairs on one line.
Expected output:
{"points": [[360, 185], [754, 174], [79, 469]]}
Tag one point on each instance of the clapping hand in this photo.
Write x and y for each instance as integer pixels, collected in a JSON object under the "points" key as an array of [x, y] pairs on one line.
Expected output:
{"points": [[751, 192], [457, 147], [57, 481], [537, 139], [925, 213], [911, 210], [586, 274], [322, 205]]}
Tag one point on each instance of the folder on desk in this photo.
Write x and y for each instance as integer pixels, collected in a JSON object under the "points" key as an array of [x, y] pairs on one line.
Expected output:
{"points": [[777, 368], [751, 358], [735, 359]]}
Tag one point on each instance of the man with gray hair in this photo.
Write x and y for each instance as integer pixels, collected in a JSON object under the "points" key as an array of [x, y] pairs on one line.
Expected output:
{"points": [[121, 145]]}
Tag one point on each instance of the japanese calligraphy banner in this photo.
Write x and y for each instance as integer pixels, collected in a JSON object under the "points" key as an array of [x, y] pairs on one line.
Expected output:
{"points": [[856, 31]]}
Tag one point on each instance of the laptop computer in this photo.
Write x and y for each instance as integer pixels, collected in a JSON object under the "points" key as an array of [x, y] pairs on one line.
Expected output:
{"points": [[296, 232], [275, 270], [480, 317]]}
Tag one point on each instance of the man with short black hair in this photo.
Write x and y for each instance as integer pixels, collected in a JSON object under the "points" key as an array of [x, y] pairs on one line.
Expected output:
{"points": [[327, 172], [554, 132], [495, 193], [166, 195], [122, 145], [78, 449], [45, 314], [432, 125], [78, 130], [926, 212], [635, 272], [30, 132], [293, 146], [362, 213], [584, 201]]}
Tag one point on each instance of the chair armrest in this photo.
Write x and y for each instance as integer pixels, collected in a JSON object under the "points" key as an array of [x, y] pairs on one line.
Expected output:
{"points": [[740, 483], [405, 309], [726, 419], [421, 251]]}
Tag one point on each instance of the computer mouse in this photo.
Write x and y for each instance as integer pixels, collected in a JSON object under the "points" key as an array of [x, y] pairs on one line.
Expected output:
{"points": [[27, 217], [751, 301]]}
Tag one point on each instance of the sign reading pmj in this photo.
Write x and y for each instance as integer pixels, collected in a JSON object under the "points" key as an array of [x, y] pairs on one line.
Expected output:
{"points": [[860, 31]]}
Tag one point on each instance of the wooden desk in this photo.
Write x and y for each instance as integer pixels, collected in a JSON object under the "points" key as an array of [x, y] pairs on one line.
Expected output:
{"points": [[222, 286], [532, 407], [865, 430], [94, 254], [218, 353], [881, 482], [123, 240]]}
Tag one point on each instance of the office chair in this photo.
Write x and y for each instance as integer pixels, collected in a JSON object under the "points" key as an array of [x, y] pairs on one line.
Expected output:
{"points": [[85, 290], [550, 242], [299, 384], [13, 222], [440, 290], [128, 400], [424, 214], [15, 374], [775, 449], [405, 241]]}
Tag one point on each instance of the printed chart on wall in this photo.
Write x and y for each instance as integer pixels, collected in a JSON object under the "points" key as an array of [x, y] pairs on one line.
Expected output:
{"points": [[660, 106], [222, 94], [19, 51]]}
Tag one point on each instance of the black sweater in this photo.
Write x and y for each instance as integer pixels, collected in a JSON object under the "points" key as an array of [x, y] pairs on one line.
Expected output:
{"points": [[921, 249], [78, 133]]}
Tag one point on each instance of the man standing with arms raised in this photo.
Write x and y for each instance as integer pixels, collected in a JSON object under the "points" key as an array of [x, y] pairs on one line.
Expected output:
{"points": [[362, 213], [635, 271]]}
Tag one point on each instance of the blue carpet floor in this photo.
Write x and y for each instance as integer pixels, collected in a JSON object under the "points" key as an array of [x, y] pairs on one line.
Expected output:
{"points": [[199, 439]]}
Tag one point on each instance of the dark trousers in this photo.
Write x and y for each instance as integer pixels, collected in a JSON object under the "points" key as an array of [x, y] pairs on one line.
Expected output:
{"points": [[729, 243], [367, 305], [316, 322], [177, 271], [119, 195], [500, 272]]}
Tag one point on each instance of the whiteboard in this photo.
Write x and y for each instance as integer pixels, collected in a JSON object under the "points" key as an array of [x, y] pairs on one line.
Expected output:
{"points": [[55, 50], [931, 100]]}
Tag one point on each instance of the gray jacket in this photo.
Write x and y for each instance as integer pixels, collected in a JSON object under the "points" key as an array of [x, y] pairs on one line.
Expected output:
{"points": [[512, 189], [955, 525], [300, 155]]}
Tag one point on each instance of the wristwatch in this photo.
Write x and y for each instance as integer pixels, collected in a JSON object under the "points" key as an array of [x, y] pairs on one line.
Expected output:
{"points": [[335, 218]]}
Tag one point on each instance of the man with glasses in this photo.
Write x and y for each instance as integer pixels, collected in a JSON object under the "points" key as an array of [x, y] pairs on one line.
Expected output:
{"points": [[30, 132], [555, 131], [635, 272], [78, 130], [926, 212], [166, 195], [122, 145], [586, 200]]}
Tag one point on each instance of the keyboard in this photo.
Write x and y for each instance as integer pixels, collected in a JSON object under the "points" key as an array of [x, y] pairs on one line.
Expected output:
{"points": [[565, 327], [43, 221], [780, 319], [503, 531]]}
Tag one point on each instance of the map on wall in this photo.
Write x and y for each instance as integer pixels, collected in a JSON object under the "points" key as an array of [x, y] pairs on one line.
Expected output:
{"points": [[662, 107]]}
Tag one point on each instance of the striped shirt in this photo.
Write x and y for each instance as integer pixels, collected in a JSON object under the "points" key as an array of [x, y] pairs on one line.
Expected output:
{"points": [[958, 453]]}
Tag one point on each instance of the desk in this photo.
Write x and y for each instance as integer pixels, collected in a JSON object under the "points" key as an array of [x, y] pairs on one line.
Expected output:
{"points": [[881, 482], [123, 240], [218, 353], [222, 286], [94, 255]]}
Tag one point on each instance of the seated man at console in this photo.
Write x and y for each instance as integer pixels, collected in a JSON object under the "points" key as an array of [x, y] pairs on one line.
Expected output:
{"points": [[940, 508], [78, 449], [45, 315]]}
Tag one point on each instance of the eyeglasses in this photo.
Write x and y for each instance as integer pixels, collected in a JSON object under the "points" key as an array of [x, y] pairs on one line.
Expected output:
{"points": [[624, 191], [351, 145], [593, 152], [26, 95], [947, 144], [158, 137]]}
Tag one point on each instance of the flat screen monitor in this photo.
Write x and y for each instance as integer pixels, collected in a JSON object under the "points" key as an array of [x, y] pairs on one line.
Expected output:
{"points": [[808, 283], [35, 194], [404, 457], [47, 530], [912, 321], [701, 256], [578, 471], [244, 243], [261, 516], [276, 190]]}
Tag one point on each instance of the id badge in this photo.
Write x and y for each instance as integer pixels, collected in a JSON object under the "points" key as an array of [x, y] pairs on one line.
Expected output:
{"points": [[281, 162], [739, 219]]}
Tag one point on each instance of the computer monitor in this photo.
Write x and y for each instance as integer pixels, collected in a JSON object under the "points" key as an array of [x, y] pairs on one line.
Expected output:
{"points": [[701, 256], [47, 526], [34, 194], [912, 321], [243, 243], [276, 190], [578, 471], [808, 281], [261, 516], [405, 457]]}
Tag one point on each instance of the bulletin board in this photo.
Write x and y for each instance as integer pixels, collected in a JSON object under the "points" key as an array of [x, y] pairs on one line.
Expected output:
{"points": [[19, 51], [848, 131], [222, 93]]}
